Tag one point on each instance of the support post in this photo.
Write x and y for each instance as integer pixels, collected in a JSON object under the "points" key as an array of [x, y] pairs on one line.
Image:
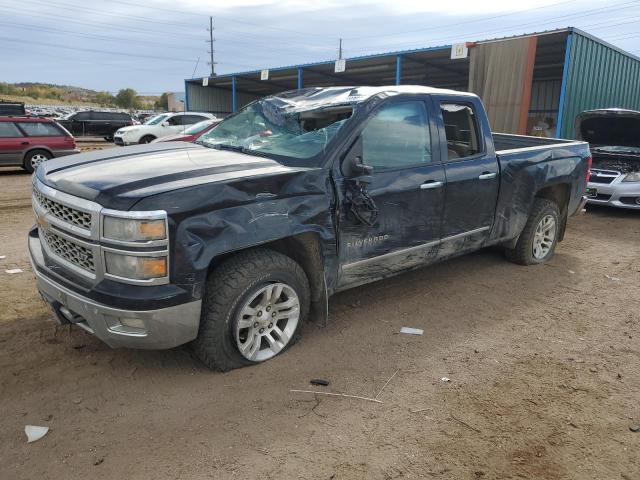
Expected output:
{"points": [[398, 69], [563, 87], [186, 95], [233, 94], [299, 78]]}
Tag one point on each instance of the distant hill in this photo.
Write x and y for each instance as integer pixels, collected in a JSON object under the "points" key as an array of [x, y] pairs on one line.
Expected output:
{"points": [[46, 93]]}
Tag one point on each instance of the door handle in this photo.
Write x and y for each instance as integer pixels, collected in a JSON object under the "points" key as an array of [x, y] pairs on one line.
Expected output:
{"points": [[431, 185], [487, 176], [24, 143]]}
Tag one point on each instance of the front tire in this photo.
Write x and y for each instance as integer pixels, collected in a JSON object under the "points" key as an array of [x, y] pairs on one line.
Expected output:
{"points": [[147, 139], [34, 158], [252, 310], [538, 240]]}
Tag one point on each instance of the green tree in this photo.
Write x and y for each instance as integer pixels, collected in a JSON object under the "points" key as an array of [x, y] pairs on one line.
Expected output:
{"points": [[162, 103], [105, 98], [127, 98]]}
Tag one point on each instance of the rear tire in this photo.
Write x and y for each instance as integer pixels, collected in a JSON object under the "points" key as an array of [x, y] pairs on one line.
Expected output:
{"points": [[147, 139], [35, 158], [538, 240], [274, 290]]}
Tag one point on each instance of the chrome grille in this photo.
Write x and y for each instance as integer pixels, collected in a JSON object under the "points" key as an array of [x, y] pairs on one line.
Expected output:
{"points": [[75, 254], [603, 176], [67, 214]]}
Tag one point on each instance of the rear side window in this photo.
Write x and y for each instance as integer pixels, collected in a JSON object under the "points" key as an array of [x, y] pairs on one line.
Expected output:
{"points": [[397, 137], [8, 129], [82, 116], [191, 119], [176, 120], [37, 129], [461, 128]]}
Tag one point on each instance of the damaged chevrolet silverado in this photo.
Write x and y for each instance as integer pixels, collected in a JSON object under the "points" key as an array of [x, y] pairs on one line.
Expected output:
{"points": [[232, 243], [614, 136]]}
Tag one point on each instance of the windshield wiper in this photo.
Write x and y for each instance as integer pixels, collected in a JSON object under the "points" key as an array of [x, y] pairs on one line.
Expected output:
{"points": [[235, 148]]}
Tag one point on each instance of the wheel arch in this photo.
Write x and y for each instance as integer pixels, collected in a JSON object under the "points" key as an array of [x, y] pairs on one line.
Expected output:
{"points": [[560, 194], [305, 249], [37, 147]]}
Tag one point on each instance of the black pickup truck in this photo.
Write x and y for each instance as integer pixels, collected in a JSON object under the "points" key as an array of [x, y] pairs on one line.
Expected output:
{"points": [[233, 242]]}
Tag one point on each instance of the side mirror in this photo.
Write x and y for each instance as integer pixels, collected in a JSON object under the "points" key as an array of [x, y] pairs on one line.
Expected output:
{"points": [[353, 165]]}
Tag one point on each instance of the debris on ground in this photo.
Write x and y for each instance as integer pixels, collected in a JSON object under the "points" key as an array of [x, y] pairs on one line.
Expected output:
{"points": [[412, 331], [613, 279], [2, 257], [634, 428], [34, 432], [319, 382], [445, 379], [11, 271]]}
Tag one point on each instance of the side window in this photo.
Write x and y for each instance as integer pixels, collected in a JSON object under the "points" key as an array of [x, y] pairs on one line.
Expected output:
{"points": [[8, 129], [82, 117], [461, 129], [37, 129], [175, 120], [191, 119], [397, 136]]}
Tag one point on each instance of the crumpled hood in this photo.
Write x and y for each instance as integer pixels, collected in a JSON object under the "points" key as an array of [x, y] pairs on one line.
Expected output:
{"points": [[119, 177], [609, 127]]}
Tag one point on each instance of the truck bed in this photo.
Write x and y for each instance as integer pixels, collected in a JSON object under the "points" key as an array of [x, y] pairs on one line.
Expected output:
{"points": [[506, 141]]}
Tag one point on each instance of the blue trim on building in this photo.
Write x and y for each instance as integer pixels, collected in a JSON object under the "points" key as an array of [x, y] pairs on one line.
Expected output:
{"points": [[330, 62], [563, 87], [233, 94], [300, 80], [186, 96], [398, 69]]}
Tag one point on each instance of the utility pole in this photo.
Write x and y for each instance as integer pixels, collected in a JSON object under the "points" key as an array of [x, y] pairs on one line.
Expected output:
{"points": [[340, 50], [211, 50]]}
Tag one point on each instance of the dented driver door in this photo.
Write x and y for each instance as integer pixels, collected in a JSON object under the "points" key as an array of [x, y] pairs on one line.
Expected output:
{"points": [[408, 184]]}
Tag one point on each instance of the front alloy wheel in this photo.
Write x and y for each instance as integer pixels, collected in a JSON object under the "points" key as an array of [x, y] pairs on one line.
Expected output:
{"points": [[267, 322], [252, 310]]}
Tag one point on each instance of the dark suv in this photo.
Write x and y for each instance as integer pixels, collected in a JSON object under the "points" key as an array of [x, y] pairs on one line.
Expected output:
{"points": [[96, 124]]}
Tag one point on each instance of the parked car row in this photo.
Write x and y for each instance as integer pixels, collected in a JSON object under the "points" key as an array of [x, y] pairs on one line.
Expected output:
{"points": [[29, 141], [159, 126]]}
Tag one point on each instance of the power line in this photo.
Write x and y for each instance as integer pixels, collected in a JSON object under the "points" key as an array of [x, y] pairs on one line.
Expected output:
{"points": [[457, 24], [262, 25], [585, 13], [94, 50]]}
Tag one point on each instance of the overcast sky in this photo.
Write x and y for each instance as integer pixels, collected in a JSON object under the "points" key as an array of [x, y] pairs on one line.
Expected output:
{"points": [[153, 45]]}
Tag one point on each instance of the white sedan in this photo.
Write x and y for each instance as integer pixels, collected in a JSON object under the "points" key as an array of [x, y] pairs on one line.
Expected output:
{"points": [[159, 126]]}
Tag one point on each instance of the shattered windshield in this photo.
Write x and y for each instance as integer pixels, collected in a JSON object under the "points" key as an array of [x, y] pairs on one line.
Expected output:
{"points": [[273, 126]]}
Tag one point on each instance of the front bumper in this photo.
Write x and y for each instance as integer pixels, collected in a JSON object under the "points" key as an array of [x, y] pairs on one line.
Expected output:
{"points": [[149, 329], [121, 141], [617, 194]]}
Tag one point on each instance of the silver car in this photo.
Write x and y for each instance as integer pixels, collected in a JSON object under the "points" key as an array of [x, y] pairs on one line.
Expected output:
{"points": [[614, 137]]}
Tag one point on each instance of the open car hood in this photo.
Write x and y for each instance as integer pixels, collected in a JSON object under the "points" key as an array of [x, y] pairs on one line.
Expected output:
{"points": [[609, 127]]}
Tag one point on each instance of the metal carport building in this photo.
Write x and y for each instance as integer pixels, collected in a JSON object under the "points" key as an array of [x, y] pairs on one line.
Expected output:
{"points": [[525, 81]]}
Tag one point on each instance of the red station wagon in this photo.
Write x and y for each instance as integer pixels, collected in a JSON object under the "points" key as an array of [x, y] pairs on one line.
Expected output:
{"points": [[29, 141]]}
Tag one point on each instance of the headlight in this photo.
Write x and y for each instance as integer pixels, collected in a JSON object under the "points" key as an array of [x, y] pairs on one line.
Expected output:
{"points": [[632, 177], [135, 267], [135, 229]]}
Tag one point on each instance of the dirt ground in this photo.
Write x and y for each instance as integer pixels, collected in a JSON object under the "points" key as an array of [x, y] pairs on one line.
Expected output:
{"points": [[543, 362]]}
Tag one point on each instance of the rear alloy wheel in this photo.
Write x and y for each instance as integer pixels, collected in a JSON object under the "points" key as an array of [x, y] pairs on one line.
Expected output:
{"points": [[34, 159], [538, 240], [544, 237]]}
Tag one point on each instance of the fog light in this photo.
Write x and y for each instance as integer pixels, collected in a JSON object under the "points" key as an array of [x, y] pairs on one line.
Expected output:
{"points": [[132, 322], [638, 201]]}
